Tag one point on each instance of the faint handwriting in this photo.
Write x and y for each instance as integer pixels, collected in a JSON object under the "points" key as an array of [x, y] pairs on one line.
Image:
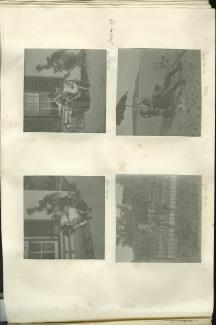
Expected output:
{"points": [[112, 23]]}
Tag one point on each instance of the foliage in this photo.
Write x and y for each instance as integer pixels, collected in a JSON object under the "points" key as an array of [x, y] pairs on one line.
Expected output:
{"points": [[54, 203]]}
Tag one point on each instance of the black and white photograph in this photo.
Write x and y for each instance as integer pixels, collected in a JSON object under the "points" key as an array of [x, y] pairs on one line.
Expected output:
{"points": [[65, 90], [158, 218], [64, 217], [159, 92]]}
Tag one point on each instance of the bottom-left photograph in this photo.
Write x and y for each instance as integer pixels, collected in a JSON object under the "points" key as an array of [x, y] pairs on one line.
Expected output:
{"points": [[64, 217]]}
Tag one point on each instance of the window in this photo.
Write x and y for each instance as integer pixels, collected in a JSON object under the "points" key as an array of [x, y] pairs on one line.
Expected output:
{"points": [[36, 104], [42, 249], [31, 104], [46, 102]]}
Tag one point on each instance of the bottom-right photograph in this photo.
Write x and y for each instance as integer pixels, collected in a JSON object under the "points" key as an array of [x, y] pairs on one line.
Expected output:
{"points": [[158, 218]]}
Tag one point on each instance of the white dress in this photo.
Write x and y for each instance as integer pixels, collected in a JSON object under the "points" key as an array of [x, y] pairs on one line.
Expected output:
{"points": [[71, 87], [64, 220], [73, 215], [73, 74]]}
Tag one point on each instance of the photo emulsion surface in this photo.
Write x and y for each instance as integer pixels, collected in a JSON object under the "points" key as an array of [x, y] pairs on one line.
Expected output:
{"points": [[64, 217], [65, 90], [158, 218], [159, 92]]}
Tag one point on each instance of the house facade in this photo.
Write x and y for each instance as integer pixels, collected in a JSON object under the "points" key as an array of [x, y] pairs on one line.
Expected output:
{"points": [[41, 114], [44, 238]]}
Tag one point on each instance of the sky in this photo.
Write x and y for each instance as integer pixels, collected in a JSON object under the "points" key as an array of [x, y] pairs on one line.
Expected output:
{"points": [[128, 67], [38, 56], [126, 81]]}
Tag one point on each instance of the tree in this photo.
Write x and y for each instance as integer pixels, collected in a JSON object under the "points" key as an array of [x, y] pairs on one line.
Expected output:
{"points": [[62, 60], [54, 203]]}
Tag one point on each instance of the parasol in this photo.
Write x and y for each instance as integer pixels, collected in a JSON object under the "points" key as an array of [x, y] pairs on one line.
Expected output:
{"points": [[120, 108]]}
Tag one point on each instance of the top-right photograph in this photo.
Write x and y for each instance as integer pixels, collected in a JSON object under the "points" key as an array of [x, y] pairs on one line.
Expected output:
{"points": [[159, 92]]}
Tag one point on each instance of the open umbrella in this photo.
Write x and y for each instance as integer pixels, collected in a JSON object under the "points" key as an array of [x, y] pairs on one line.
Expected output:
{"points": [[120, 108]]}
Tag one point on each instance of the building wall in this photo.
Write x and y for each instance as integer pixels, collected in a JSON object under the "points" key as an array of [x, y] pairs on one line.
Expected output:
{"points": [[78, 245]]}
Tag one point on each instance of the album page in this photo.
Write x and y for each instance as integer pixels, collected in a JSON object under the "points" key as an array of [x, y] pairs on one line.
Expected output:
{"points": [[193, 321], [107, 162]]}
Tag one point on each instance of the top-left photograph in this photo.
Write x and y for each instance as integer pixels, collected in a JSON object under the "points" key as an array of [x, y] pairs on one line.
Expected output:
{"points": [[65, 90]]}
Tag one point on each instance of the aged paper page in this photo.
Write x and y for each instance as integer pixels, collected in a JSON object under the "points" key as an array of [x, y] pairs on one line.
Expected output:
{"points": [[153, 322], [93, 160]]}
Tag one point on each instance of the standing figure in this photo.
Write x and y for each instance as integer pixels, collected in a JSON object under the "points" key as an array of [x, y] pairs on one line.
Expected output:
{"points": [[162, 99]]}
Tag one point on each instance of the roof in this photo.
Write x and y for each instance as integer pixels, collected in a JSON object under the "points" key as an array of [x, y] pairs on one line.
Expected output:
{"points": [[35, 84], [40, 228]]}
